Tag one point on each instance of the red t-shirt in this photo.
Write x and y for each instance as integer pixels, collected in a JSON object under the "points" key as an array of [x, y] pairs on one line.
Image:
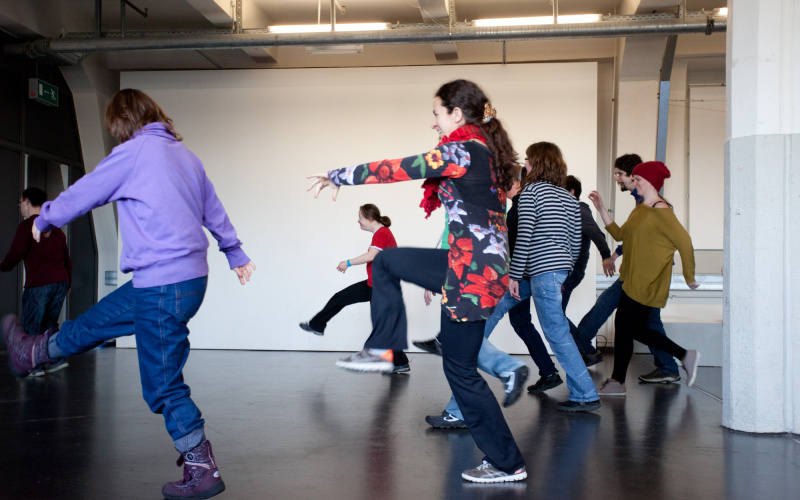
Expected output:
{"points": [[381, 239]]}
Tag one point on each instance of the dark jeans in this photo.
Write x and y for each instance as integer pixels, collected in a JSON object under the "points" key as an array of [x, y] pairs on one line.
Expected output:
{"points": [[353, 294], [631, 324], [158, 316], [41, 306], [461, 342], [606, 304], [520, 318]]}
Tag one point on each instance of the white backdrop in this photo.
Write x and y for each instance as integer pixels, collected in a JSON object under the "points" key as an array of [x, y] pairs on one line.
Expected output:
{"points": [[260, 132]]}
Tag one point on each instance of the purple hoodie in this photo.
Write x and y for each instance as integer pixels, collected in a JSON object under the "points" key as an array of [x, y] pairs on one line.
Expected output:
{"points": [[164, 201]]}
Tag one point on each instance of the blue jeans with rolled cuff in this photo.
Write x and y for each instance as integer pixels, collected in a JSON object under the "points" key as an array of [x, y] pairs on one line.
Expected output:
{"points": [[158, 317]]}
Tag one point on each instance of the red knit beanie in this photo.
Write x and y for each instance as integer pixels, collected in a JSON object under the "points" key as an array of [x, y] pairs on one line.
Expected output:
{"points": [[653, 171]]}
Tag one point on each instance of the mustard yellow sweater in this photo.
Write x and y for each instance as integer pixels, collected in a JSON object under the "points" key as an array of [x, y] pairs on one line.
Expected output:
{"points": [[650, 237]]}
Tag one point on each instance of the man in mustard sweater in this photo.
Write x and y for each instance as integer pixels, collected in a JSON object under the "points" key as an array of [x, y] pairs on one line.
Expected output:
{"points": [[666, 369]]}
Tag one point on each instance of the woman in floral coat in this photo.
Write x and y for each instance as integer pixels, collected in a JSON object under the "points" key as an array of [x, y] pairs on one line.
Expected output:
{"points": [[468, 173]]}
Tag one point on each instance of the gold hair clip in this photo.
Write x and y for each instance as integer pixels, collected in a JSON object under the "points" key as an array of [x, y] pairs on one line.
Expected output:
{"points": [[488, 112]]}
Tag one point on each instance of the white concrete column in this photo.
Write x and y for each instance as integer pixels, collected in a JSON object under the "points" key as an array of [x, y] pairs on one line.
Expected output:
{"points": [[761, 348], [92, 88]]}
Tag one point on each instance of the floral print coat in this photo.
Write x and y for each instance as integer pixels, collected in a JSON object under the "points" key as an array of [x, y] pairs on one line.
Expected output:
{"points": [[477, 274]]}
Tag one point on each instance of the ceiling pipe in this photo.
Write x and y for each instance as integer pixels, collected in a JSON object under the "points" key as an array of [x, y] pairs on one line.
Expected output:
{"points": [[401, 35]]}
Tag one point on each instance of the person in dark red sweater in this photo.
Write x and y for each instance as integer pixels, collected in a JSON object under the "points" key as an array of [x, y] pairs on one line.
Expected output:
{"points": [[48, 271]]}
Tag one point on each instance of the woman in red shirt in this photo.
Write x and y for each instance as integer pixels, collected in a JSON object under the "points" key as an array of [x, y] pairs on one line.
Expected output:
{"points": [[370, 219]]}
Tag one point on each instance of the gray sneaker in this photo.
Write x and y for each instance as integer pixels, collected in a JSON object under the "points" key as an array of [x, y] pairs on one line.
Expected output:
{"points": [[690, 363], [368, 360], [658, 377], [56, 365], [488, 473], [611, 388]]}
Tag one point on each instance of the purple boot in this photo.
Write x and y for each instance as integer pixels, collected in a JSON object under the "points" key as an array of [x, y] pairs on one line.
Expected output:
{"points": [[25, 353], [201, 477]]}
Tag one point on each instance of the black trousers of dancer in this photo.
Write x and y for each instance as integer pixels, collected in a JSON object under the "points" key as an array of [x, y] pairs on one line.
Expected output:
{"points": [[461, 342], [631, 324], [353, 294]]}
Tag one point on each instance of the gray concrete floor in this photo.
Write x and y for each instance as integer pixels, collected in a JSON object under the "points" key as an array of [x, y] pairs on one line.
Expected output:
{"points": [[289, 425]]}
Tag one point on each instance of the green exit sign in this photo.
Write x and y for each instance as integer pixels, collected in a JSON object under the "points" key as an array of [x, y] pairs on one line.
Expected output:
{"points": [[41, 91]]}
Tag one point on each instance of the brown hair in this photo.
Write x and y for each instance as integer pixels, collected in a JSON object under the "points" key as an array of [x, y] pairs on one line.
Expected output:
{"points": [[370, 211], [472, 100], [130, 110], [547, 164]]}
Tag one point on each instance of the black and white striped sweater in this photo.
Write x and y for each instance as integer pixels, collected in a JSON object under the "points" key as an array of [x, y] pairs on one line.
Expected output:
{"points": [[549, 231]]}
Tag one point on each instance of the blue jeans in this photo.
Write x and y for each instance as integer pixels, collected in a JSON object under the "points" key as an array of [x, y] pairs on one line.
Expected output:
{"points": [[158, 316], [606, 303], [41, 306], [571, 283], [546, 291]]}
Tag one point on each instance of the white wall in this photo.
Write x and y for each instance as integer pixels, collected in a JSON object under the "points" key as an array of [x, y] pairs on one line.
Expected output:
{"points": [[259, 133], [706, 166]]}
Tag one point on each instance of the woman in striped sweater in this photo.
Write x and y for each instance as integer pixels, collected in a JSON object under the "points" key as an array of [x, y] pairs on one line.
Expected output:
{"points": [[548, 243], [651, 235]]}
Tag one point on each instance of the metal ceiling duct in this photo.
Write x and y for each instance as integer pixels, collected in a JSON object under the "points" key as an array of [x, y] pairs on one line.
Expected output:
{"points": [[406, 34]]}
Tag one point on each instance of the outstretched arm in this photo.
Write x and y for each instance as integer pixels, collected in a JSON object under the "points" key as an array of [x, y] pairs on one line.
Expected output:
{"points": [[448, 160]]}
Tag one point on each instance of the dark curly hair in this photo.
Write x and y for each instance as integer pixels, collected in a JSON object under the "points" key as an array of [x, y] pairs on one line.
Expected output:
{"points": [[467, 96]]}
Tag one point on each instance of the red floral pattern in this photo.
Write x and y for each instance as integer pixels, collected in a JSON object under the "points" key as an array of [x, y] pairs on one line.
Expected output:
{"points": [[490, 287], [386, 171], [460, 254]]}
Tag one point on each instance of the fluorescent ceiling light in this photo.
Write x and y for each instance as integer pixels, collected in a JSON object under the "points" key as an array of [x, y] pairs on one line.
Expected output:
{"points": [[326, 28], [530, 21], [722, 11], [335, 49]]}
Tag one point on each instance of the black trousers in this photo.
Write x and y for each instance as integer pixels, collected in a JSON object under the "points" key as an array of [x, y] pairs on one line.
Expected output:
{"points": [[353, 294], [461, 342], [631, 324]]}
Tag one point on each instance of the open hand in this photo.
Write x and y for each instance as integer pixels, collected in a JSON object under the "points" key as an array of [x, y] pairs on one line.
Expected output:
{"points": [[320, 181]]}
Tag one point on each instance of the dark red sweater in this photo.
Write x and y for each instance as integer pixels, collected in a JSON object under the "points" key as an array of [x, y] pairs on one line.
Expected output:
{"points": [[46, 262]]}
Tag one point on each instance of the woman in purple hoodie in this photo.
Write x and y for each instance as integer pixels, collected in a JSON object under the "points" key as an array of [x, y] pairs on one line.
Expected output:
{"points": [[164, 199]]}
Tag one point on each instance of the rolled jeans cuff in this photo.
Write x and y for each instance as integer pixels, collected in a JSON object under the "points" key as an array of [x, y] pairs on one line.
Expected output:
{"points": [[190, 441], [53, 350]]}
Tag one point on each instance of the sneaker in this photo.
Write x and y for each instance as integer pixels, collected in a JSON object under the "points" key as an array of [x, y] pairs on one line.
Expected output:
{"points": [[399, 369], [578, 406], [431, 346], [690, 363], [514, 382], [307, 327], [545, 383], [593, 358], [368, 360], [611, 388], [37, 372], [488, 473], [201, 477], [657, 376], [446, 421], [25, 353], [56, 365]]}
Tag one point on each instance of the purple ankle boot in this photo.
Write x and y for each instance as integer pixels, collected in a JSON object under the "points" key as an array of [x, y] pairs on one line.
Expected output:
{"points": [[201, 477], [25, 353]]}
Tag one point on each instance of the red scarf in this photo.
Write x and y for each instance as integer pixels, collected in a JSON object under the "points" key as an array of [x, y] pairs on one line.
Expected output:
{"points": [[430, 198]]}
